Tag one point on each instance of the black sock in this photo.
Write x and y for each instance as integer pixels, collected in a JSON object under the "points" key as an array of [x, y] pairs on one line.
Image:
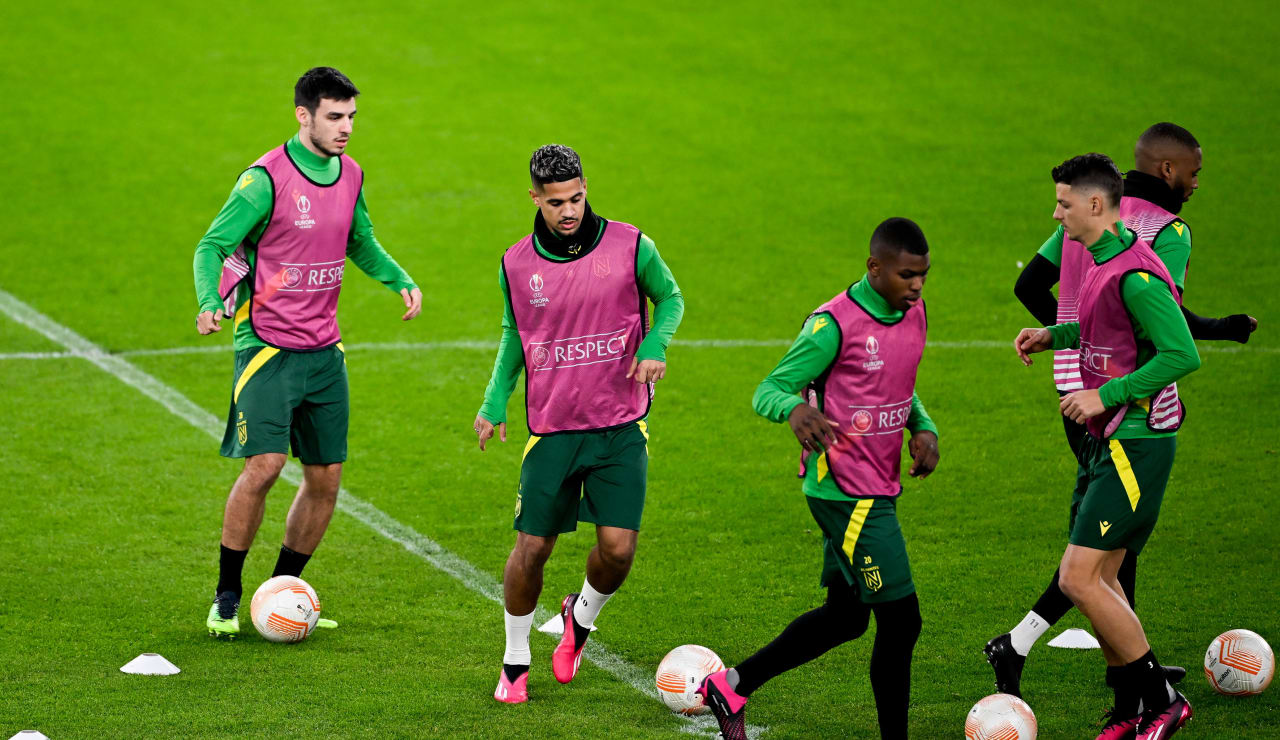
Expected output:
{"points": [[1146, 677], [230, 565], [513, 672], [842, 618], [897, 628], [1127, 697], [1128, 577], [580, 633], [1052, 604], [290, 563]]}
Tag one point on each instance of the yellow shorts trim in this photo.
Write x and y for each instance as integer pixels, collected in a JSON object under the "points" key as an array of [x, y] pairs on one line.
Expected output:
{"points": [[533, 440], [254, 366], [856, 520], [1125, 471]]}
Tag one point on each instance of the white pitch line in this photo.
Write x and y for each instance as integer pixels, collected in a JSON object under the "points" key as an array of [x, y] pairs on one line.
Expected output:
{"points": [[363, 511], [479, 344]]}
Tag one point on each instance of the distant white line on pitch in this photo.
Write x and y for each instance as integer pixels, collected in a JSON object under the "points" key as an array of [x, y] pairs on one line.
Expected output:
{"points": [[481, 344], [366, 513]]}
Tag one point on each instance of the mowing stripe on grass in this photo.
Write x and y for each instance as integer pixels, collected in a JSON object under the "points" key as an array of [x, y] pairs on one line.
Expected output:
{"points": [[477, 344], [363, 511]]}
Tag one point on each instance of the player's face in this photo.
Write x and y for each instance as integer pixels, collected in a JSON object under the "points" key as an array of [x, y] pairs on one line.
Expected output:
{"points": [[1075, 212], [1183, 174], [329, 128], [899, 278], [562, 204]]}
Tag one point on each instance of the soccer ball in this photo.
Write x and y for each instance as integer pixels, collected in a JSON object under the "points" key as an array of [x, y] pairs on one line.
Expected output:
{"points": [[1000, 717], [1239, 663], [285, 609], [681, 672]]}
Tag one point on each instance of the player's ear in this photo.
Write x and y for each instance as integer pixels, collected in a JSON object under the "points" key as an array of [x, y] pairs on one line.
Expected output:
{"points": [[302, 114], [873, 267], [533, 194]]}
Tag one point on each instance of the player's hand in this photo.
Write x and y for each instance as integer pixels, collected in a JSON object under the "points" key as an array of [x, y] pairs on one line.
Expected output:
{"points": [[647, 371], [207, 321], [412, 301], [484, 430], [1253, 325], [923, 447], [1082, 405], [1031, 341], [815, 431]]}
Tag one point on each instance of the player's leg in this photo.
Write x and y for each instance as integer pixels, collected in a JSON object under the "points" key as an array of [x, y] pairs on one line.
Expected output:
{"points": [[898, 626], [546, 506], [318, 435], [616, 465], [1007, 652], [257, 430]]}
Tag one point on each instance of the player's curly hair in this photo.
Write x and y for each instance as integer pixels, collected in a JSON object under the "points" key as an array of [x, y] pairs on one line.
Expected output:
{"points": [[322, 82], [554, 163], [1092, 170]]}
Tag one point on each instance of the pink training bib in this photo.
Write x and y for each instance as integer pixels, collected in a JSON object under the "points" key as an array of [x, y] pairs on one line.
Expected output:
{"points": [[580, 323], [300, 258], [868, 391]]}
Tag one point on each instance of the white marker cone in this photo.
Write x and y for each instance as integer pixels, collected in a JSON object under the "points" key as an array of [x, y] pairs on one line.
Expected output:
{"points": [[150, 664], [30, 735], [555, 626], [1075, 638]]}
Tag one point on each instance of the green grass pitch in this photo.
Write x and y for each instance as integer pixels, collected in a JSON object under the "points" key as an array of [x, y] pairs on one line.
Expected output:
{"points": [[758, 144]]}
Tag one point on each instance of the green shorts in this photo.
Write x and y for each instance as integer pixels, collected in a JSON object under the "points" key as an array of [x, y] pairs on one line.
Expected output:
{"points": [[596, 477], [862, 543], [281, 398], [1117, 502]]}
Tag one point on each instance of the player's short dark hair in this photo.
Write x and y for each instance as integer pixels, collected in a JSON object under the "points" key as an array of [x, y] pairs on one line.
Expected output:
{"points": [[322, 82], [898, 235], [1167, 132], [1092, 170], [554, 163]]}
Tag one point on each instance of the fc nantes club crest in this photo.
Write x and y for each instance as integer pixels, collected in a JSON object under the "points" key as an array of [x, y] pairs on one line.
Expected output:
{"points": [[242, 429], [872, 577]]}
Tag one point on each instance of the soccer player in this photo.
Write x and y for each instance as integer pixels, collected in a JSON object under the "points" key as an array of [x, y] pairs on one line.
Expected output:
{"points": [[280, 244], [856, 360], [1134, 344], [1168, 160], [576, 322]]}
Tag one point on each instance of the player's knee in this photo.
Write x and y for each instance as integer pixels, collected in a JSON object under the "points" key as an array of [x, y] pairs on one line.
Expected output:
{"points": [[265, 468], [531, 551], [900, 620], [617, 555], [1075, 583]]}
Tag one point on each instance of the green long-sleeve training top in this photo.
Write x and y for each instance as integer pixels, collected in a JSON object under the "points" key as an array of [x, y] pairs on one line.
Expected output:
{"points": [[809, 357], [245, 216]]}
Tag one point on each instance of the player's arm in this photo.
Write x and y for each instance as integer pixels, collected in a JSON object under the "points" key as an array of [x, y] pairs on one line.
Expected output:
{"points": [[1034, 287], [656, 282], [923, 445], [777, 399], [1173, 247], [246, 210], [506, 371], [1155, 314], [367, 254], [1059, 336]]}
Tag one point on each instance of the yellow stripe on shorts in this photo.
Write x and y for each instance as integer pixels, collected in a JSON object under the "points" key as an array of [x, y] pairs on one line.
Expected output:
{"points": [[533, 440], [343, 350], [856, 521], [254, 366], [1125, 471]]}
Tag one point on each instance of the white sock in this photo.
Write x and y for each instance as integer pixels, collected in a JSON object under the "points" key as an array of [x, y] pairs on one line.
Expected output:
{"points": [[517, 638], [1024, 636], [588, 605]]}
